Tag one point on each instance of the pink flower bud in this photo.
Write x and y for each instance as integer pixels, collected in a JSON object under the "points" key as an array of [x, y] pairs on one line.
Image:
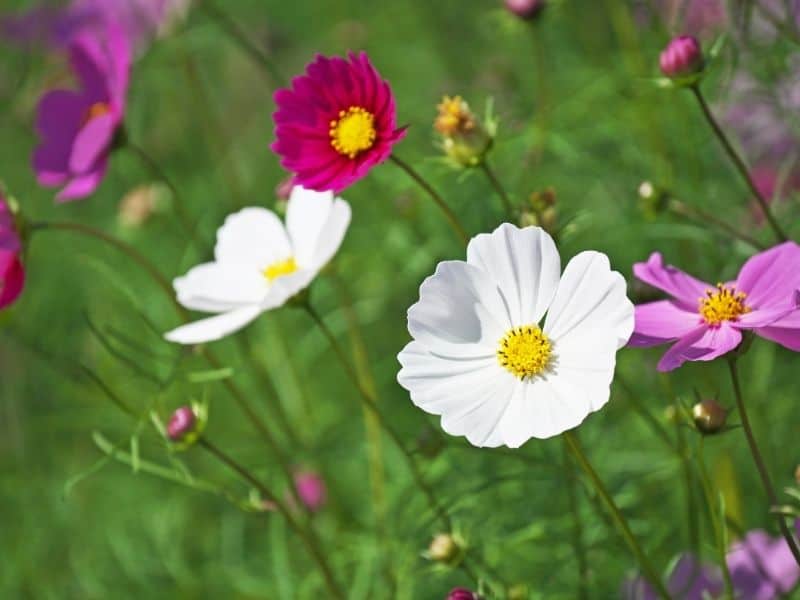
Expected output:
{"points": [[525, 9], [12, 273], [284, 189], [683, 56], [460, 593], [311, 489], [181, 422]]}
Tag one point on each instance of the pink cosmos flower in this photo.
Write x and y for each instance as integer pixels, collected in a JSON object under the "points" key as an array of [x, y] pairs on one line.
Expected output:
{"points": [[762, 567], [77, 128], [335, 123], [707, 321], [12, 273]]}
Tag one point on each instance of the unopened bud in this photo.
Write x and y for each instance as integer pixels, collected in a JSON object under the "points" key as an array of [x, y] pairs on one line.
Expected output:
{"points": [[541, 211], [518, 592], [652, 199], [181, 423], [311, 489], [682, 57], [446, 549], [461, 593], [709, 416], [525, 9], [139, 205], [465, 140]]}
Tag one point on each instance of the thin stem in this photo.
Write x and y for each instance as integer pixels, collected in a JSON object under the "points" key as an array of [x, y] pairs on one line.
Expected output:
{"points": [[371, 403], [759, 459], [717, 524], [619, 519], [498, 187], [311, 543], [451, 217], [739, 164], [703, 217], [577, 530], [121, 246], [683, 456], [177, 200], [237, 34]]}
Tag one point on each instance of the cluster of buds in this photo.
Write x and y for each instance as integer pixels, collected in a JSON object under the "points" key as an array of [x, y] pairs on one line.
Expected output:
{"points": [[541, 211], [186, 425], [465, 140], [446, 549]]}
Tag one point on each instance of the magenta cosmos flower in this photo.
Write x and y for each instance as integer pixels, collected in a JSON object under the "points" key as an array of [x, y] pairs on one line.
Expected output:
{"points": [[707, 321], [335, 123], [77, 128], [12, 274]]}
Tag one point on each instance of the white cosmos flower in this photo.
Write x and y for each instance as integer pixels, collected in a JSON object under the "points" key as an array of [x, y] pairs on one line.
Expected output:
{"points": [[479, 357], [260, 263]]}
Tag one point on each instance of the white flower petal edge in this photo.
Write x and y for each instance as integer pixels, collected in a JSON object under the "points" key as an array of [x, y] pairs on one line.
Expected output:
{"points": [[260, 264], [452, 368]]}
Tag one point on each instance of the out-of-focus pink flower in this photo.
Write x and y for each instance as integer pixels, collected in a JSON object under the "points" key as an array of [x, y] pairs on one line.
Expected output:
{"points": [[701, 18], [461, 593], [762, 567], [335, 123], [77, 128], [682, 57], [525, 9], [690, 580], [311, 489], [140, 21], [12, 273], [706, 321], [774, 186]]}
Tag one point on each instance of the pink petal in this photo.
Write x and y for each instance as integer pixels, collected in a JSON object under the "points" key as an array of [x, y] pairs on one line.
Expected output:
{"points": [[12, 278], [770, 278], [92, 140], [659, 322], [703, 344], [90, 64], [763, 317], [667, 278], [83, 185]]}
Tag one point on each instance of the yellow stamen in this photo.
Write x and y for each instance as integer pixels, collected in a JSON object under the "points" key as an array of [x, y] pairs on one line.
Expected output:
{"points": [[724, 304], [280, 268], [353, 132], [525, 351], [98, 109], [454, 117]]}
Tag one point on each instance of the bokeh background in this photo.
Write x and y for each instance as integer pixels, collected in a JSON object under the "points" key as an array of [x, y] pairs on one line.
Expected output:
{"points": [[580, 111]]}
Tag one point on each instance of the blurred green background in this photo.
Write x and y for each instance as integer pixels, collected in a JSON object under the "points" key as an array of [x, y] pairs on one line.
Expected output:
{"points": [[579, 112]]}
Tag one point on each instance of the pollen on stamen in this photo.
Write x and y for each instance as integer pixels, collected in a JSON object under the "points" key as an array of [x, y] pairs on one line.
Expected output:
{"points": [[353, 132], [722, 304], [525, 351], [279, 269]]}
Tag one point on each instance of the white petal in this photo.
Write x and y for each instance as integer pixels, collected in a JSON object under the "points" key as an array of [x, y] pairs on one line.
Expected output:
{"points": [[316, 223], [524, 263], [470, 394], [220, 287], [590, 295], [214, 328], [459, 312], [253, 236], [285, 287]]}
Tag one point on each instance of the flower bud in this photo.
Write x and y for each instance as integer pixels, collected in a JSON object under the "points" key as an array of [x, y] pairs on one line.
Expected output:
{"points": [[540, 211], [709, 416], [446, 549], [181, 423], [682, 57], [139, 205], [461, 593], [311, 489], [525, 9], [465, 140], [12, 271], [653, 199]]}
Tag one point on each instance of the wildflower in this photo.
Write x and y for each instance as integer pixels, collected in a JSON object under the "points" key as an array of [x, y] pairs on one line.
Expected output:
{"points": [[525, 9], [762, 567], [311, 489], [335, 123], [260, 263], [78, 128], [12, 273], [689, 580], [465, 140], [707, 321], [709, 416], [701, 18], [480, 358], [683, 57]]}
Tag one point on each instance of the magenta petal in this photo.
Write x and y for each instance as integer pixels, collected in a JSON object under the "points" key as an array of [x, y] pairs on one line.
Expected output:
{"points": [[763, 317], [94, 138], [659, 322], [771, 277], [12, 277], [83, 185], [59, 114], [716, 341], [667, 278], [674, 357], [89, 63]]}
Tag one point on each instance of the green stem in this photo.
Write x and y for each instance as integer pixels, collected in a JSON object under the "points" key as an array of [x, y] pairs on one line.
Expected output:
{"points": [[237, 34], [703, 217], [451, 217], [498, 187], [739, 164], [683, 457], [371, 403], [759, 459], [310, 541], [619, 519], [577, 530]]}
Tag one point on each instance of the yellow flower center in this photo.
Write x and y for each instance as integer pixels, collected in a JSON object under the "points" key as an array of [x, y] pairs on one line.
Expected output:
{"points": [[525, 351], [98, 109], [724, 304], [454, 117], [353, 131], [280, 268]]}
